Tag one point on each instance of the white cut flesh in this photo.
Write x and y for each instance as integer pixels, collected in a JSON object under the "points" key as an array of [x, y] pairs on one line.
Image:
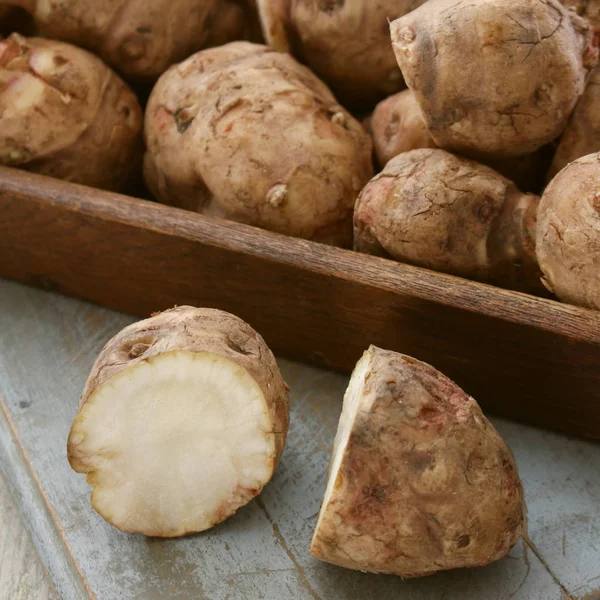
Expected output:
{"points": [[352, 399], [175, 444]]}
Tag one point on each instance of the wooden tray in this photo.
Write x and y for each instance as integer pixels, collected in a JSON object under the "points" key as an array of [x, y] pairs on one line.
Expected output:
{"points": [[47, 346], [526, 358]]}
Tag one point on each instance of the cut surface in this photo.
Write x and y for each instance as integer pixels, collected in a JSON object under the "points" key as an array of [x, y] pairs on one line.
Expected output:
{"points": [[352, 398], [175, 444]]}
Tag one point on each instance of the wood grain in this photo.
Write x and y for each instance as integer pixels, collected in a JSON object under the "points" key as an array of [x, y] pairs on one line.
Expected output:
{"points": [[526, 358], [47, 346], [22, 575]]}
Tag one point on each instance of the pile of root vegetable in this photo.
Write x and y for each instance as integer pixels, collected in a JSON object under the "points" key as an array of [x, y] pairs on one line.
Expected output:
{"points": [[458, 135], [292, 116]]}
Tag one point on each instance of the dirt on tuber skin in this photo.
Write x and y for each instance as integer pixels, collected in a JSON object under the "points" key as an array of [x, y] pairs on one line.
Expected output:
{"points": [[346, 43], [568, 233], [419, 479], [65, 114], [248, 134], [582, 135], [142, 38], [495, 78], [446, 213], [182, 421]]}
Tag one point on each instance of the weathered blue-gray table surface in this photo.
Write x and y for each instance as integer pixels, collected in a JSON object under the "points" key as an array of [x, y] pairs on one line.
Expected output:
{"points": [[47, 346]]}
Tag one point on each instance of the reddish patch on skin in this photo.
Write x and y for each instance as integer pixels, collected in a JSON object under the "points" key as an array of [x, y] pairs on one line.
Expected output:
{"points": [[9, 84], [385, 184], [511, 485], [431, 416], [162, 118], [229, 128], [222, 514], [429, 412], [8, 51]]}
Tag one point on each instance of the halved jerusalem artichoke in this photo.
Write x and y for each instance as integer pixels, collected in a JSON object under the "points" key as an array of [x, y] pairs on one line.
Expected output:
{"points": [[182, 422], [419, 480]]}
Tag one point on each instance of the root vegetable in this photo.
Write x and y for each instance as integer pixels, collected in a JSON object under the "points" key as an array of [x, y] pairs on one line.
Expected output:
{"points": [[419, 480], [346, 43], [589, 9], [141, 38], [397, 126], [568, 233], [247, 134], [494, 78], [182, 422], [582, 135], [443, 212], [65, 114]]}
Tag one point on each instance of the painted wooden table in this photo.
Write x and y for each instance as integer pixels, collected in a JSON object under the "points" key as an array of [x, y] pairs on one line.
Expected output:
{"points": [[47, 346]]}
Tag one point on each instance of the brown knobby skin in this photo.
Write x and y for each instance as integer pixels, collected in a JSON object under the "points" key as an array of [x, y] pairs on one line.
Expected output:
{"points": [[494, 78], [142, 38], [397, 126], [582, 135], [248, 134], [451, 214], [182, 421], [568, 233], [419, 480], [65, 114], [589, 9], [346, 43]]}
